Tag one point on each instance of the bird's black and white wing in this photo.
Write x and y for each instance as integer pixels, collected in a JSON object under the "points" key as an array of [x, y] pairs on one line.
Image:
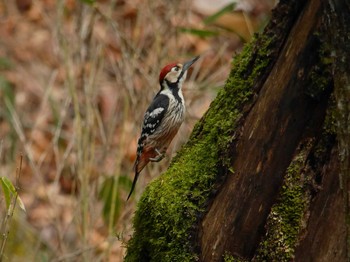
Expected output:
{"points": [[153, 118]]}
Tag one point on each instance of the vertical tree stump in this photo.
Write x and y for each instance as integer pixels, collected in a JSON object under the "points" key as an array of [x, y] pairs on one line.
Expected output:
{"points": [[259, 179]]}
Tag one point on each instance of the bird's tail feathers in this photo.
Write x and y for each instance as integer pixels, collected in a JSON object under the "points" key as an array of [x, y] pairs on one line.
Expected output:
{"points": [[140, 163], [133, 184]]}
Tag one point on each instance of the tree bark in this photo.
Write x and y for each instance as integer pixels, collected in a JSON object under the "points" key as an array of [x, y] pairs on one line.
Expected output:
{"points": [[273, 129], [338, 33], [262, 176]]}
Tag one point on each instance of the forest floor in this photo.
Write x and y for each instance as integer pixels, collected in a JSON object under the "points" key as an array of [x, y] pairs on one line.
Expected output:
{"points": [[75, 80]]}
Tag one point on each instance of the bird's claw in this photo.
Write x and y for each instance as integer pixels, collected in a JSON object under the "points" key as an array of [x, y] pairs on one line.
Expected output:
{"points": [[159, 157]]}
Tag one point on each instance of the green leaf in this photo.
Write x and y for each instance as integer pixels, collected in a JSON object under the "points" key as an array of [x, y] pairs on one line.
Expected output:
{"points": [[89, 2], [125, 182], [7, 89], [6, 184], [5, 63], [106, 195], [214, 17], [10, 191], [198, 32]]}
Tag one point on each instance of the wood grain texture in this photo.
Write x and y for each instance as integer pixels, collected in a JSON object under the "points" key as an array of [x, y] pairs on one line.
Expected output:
{"points": [[273, 128]]}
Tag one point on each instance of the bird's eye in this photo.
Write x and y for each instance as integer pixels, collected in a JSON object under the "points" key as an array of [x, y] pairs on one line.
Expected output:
{"points": [[176, 68]]}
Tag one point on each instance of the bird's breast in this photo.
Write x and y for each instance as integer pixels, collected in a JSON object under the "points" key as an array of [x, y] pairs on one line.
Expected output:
{"points": [[176, 113]]}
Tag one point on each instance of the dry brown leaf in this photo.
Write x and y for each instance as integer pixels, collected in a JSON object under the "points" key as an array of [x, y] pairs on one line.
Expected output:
{"points": [[23, 5]]}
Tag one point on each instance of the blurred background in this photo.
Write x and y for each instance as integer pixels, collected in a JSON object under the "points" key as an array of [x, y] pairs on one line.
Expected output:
{"points": [[75, 80]]}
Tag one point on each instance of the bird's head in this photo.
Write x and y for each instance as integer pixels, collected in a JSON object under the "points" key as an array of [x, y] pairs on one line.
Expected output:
{"points": [[175, 73]]}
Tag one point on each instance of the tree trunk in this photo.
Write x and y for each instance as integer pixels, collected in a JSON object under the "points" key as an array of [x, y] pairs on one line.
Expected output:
{"points": [[262, 177]]}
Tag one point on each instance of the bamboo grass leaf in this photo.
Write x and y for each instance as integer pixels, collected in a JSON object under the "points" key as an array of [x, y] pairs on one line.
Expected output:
{"points": [[228, 8]]}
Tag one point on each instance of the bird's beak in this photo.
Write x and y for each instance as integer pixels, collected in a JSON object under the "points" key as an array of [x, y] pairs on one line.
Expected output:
{"points": [[188, 64]]}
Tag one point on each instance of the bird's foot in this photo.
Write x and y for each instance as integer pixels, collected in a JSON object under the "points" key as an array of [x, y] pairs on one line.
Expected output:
{"points": [[157, 158]]}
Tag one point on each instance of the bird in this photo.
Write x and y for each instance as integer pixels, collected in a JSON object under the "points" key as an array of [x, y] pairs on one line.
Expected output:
{"points": [[162, 118]]}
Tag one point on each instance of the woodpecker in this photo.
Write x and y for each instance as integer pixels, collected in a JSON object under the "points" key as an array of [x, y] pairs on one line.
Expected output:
{"points": [[163, 117]]}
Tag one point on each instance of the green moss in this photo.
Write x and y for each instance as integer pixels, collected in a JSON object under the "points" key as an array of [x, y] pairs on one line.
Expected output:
{"points": [[285, 219], [230, 258], [287, 216], [171, 205], [320, 75], [331, 117], [318, 83]]}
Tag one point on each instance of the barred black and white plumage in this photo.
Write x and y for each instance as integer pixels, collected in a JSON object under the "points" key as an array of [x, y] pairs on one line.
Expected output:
{"points": [[163, 117]]}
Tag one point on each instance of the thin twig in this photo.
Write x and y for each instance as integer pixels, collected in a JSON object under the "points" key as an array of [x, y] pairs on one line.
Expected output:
{"points": [[10, 211]]}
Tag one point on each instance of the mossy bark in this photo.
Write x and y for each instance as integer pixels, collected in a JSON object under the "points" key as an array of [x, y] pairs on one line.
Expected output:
{"points": [[338, 33], [259, 178]]}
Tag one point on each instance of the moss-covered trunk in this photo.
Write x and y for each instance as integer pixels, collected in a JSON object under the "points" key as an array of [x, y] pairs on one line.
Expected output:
{"points": [[259, 178]]}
